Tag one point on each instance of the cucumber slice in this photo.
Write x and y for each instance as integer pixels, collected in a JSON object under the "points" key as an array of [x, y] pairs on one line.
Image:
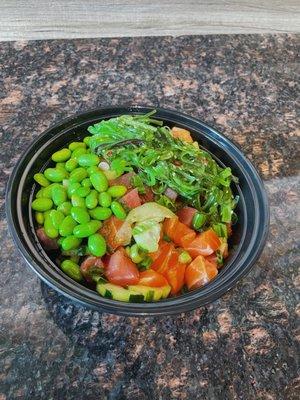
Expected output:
{"points": [[149, 293], [115, 292], [165, 291]]}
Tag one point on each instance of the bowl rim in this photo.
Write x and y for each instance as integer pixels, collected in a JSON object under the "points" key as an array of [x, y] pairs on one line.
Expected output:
{"points": [[183, 303]]}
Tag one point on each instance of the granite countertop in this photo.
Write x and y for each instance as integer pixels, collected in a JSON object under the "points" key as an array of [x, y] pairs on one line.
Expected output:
{"points": [[243, 346]]}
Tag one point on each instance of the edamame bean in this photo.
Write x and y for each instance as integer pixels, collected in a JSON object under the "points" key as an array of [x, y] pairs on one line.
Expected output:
{"points": [[97, 245], [80, 215], [67, 226], [72, 187], [47, 191], [71, 164], [41, 180], [76, 145], [91, 200], [40, 193], [72, 270], [61, 166], [117, 190], [104, 199], [82, 191], [59, 195], [39, 217], [57, 218], [70, 243], [99, 181], [47, 214], [78, 152], [61, 155], [42, 204], [118, 210], [88, 229], [88, 160], [65, 207], [77, 201], [92, 170], [55, 175], [78, 174], [100, 213], [87, 139], [49, 228], [86, 182]]}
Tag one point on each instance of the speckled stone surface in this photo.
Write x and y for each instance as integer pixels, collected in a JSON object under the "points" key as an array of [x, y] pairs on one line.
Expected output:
{"points": [[243, 346]]}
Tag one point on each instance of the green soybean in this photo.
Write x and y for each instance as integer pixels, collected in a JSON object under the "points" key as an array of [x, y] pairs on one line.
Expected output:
{"points": [[91, 200], [78, 174], [117, 190], [100, 213], [61, 155], [88, 229], [42, 204], [88, 160], [72, 187], [57, 218], [47, 191], [97, 245], [99, 181], [87, 139], [76, 145], [77, 201], [61, 166], [83, 191], [71, 164], [67, 226], [39, 217], [86, 182], [59, 195], [40, 193], [41, 180], [80, 215], [118, 210], [47, 214], [65, 207], [104, 199], [49, 228], [71, 269], [92, 170], [78, 152], [70, 243], [55, 175]]}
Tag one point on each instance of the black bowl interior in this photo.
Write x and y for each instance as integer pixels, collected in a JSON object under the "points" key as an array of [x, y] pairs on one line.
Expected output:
{"points": [[249, 233]]}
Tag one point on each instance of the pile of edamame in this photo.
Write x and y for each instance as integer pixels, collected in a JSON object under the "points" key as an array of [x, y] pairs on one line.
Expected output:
{"points": [[74, 199]]}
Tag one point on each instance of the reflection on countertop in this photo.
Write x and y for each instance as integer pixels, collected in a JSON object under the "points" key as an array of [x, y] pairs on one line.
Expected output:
{"points": [[242, 346]]}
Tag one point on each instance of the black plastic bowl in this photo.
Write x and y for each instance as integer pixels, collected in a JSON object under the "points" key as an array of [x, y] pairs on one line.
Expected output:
{"points": [[249, 234]]}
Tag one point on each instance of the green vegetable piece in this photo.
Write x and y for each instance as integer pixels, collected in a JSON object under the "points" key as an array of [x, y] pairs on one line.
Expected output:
{"points": [[118, 210], [100, 213], [59, 195], [147, 234], [117, 190], [92, 170], [97, 245], [72, 187], [78, 174], [78, 152], [47, 214], [41, 180], [49, 228], [39, 217], [72, 270], [42, 204], [220, 229], [65, 207], [91, 200], [61, 166], [67, 226], [86, 140], [80, 215], [70, 243], [118, 165], [184, 258], [61, 155], [145, 264], [88, 160], [82, 191], [71, 164], [105, 199], [198, 220], [86, 182], [76, 145], [57, 218], [77, 201], [99, 181], [47, 191], [40, 193], [55, 175], [88, 229], [134, 254]]}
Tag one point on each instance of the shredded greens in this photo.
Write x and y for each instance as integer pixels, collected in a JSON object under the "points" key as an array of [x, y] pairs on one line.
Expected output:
{"points": [[147, 147]]}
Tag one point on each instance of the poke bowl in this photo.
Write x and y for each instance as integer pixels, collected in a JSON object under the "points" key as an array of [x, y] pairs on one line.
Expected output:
{"points": [[136, 211]]}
